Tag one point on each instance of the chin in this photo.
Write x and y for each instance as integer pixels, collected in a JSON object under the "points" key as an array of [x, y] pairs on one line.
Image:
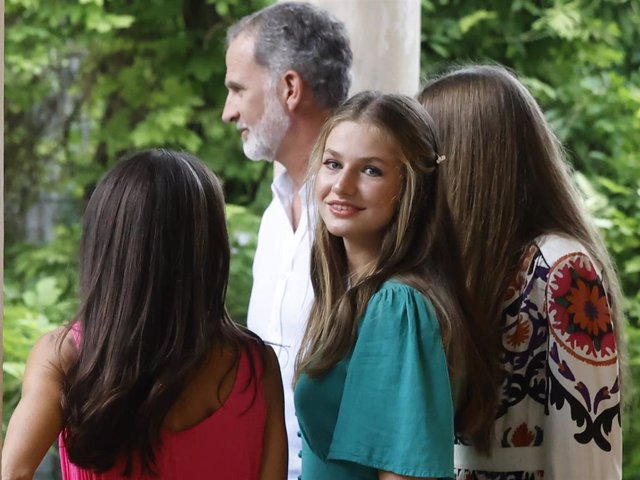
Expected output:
{"points": [[257, 151], [338, 232], [256, 156]]}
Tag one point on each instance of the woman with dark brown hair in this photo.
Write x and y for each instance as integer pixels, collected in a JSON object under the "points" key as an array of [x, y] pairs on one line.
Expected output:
{"points": [[540, 276], [152, 379]]}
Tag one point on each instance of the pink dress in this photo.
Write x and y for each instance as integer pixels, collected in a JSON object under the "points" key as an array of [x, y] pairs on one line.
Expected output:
{"points": [[227, 445]]}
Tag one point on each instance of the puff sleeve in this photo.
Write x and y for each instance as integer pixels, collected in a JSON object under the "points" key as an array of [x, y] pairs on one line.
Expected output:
{"points": [[396, 412], [582, 432]]}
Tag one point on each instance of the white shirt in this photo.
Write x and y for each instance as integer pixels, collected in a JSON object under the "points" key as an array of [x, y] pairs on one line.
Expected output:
{"points": [[281, 296]]}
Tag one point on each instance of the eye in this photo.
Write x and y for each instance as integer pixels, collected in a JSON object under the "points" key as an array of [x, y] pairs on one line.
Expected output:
{"points": [[233, 87], [372, 171], [331, 164]]}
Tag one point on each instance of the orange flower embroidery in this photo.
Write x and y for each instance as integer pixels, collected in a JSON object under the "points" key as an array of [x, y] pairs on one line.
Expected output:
{"points": [[589, 308], [520, 335], [522, 437]]}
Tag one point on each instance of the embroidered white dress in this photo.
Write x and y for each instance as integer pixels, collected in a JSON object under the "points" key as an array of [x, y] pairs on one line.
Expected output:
{"points": [[559, 416]]}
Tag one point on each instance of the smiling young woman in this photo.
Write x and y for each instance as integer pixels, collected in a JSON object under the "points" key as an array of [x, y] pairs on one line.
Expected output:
{"points": [[356, 188], [383, 345]]}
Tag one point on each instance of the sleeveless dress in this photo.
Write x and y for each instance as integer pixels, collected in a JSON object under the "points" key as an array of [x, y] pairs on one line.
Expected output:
{"points": [[227, 445], [559, 416], [388, 404]]}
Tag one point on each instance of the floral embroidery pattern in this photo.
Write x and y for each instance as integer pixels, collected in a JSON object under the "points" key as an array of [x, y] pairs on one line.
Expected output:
{"points": [[579, 312], [520, 335], [589, 308], [522, 437], [561, 389]]}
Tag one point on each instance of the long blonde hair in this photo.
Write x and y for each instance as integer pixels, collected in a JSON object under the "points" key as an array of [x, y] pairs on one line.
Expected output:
{"points": [[418, 248], [507, 183]]}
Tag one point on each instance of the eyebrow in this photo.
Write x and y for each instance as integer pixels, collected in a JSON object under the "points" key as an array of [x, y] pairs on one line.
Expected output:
{"points": [[233, 85], [365, 159]]}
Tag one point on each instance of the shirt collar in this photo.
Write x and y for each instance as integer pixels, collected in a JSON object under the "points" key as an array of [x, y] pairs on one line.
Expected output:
{"points": [[283, 188]]}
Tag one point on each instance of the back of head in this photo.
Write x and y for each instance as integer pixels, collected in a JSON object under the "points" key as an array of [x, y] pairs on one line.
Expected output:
{"points": [[154, 268], [506, 179], [503, 153], [306, 39], [155, 225]]}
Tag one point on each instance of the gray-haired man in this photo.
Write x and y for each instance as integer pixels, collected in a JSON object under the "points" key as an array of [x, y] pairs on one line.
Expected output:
{"points": [[287, 69]]}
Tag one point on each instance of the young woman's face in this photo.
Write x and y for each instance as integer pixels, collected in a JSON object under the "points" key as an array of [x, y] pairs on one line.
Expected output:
{"points": [[358, 183]]}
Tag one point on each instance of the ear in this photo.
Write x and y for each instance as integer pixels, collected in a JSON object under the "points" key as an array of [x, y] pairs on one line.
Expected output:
{"points": [[293, 90]]}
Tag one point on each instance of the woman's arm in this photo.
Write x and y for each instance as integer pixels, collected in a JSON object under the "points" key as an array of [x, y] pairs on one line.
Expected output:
{"points": [[396, 409], [582, 427], [37, 419], [274, 453]]}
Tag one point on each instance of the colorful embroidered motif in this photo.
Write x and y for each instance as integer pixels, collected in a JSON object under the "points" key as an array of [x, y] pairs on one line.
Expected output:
{"points": [[560, 398], [579, 312]]}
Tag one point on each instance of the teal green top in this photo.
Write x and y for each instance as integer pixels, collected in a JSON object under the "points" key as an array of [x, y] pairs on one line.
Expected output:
{"points": [[387, 405]]}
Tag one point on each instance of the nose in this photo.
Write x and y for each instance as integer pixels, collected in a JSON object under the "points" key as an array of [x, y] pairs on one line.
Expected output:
{"points": [[230, 112], [346, 183]]}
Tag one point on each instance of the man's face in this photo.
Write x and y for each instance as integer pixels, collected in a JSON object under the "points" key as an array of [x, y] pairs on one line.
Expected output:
{"points": [[252, 102]]}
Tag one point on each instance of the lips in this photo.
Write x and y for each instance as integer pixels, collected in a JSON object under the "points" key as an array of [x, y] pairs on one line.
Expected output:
{"points": [[343, 209], [242, 129]]}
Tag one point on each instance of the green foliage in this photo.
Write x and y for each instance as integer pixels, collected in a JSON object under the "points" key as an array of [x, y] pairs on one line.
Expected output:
{"points": [[40, 293], [243, 237], [88, 80]]}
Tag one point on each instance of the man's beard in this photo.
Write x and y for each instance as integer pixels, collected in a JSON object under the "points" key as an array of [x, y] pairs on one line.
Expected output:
{"points": [[264, 138]]}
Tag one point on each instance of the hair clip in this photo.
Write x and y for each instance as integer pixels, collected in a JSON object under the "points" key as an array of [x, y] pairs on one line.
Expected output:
{"points": [[440, 159]]}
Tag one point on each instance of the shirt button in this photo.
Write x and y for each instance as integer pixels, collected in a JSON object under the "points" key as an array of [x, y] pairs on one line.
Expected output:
{"points": [[298, 434], [300, 454]]}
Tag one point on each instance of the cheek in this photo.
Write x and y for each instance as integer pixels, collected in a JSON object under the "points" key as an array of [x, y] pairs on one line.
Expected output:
{"points": [[389, 201], [253, 107], [390, 194], [251, 112], [322, 187]]}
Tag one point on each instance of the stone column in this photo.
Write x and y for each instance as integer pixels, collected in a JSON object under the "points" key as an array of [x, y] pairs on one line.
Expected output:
{"points": [[385, 38], [1, 189]]}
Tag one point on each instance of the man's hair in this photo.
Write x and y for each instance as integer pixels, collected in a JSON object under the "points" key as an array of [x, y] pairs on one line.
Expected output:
{"points": [[306, 39]]}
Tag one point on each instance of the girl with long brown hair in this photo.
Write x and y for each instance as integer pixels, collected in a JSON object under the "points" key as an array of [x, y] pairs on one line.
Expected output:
{"points": [[541, 279], [152, 379], [390, 336]]}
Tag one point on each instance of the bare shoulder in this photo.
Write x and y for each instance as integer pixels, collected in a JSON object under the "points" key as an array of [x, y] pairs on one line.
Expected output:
{"points": [[271, 365], [54, 351], [37, 419], [274, 457], [272, 377], [271, 359]]}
